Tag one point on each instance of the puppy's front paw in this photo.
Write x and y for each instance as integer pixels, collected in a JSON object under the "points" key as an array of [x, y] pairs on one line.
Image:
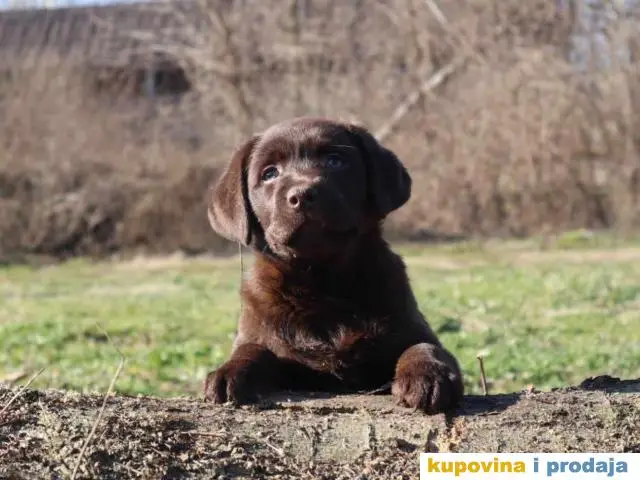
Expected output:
{"points": [[427, 378], [244, 378], [230, 383]]}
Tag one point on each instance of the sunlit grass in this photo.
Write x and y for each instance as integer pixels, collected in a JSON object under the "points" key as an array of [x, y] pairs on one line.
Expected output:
{"points": [[547, 318]]}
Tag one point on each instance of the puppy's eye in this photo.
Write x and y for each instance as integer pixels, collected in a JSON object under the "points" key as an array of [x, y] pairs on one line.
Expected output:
{"points": [[269, 173], [334, 160]]}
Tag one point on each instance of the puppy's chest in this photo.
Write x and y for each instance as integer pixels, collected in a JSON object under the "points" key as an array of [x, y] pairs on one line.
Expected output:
{"points": [[334, 335]]}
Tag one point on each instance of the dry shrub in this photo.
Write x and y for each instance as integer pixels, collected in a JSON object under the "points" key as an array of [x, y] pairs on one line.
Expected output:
{"points": [[75, 178], [516, 155], [518, 140]]}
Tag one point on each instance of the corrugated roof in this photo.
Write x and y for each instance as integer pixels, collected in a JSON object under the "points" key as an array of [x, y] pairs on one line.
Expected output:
{"points": [[101, 35]]}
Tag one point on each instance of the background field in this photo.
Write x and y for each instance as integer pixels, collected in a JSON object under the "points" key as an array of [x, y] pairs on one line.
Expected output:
{"points": [[515, 119], [549, 315]]}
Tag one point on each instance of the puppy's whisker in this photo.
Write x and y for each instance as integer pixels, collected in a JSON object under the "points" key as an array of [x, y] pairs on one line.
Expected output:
{"points": [[350, 147]]}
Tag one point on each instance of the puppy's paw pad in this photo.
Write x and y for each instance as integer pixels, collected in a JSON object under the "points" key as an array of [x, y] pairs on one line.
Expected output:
{"points": [[428, 385], [432, 394], [228, 385]]}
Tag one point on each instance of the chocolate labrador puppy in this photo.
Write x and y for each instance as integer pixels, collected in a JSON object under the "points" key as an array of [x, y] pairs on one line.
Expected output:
{"points": [[328, 306]]}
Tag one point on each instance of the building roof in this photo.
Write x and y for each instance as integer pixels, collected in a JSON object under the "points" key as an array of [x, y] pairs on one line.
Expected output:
{"points": [[107, 35]]}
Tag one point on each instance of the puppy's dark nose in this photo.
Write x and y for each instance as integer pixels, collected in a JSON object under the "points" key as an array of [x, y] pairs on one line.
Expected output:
{"points": [[301, 197]]}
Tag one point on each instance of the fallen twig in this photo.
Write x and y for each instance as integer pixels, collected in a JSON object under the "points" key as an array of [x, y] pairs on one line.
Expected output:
{"points": [[384, 388], [19, 392], [202, 434], [104, 403], [278, 450]]}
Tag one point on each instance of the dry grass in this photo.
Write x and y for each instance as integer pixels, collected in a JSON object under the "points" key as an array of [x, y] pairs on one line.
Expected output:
{"points": [[516, 141], [77, 178]]}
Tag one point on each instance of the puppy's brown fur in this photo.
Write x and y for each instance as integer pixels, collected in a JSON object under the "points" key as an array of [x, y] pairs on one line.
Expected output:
{"points": [[328, 306]]}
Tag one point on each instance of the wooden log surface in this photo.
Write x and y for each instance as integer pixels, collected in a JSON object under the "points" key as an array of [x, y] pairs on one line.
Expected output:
{"points": [[352, 436]]}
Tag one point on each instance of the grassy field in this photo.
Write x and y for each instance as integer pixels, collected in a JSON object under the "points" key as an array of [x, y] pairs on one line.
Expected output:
{"points": [[546, 317]]}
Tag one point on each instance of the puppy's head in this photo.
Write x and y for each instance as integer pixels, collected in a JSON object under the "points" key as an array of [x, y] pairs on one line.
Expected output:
{"points": [[307, 188]]}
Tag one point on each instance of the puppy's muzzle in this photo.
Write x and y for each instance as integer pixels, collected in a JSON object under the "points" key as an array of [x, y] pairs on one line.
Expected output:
{"points": [[316, 204], [302, 198]]}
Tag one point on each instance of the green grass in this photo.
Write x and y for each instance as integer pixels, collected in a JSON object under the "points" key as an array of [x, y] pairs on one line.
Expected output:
{"points": [[549, 318]]}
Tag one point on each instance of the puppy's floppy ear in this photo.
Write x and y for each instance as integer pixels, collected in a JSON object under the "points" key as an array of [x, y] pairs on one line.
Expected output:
{"points": [[228, 208], [389, 181]]}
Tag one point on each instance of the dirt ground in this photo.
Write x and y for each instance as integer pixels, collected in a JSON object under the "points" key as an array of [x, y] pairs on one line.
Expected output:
{"points": [[356, 437]]}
